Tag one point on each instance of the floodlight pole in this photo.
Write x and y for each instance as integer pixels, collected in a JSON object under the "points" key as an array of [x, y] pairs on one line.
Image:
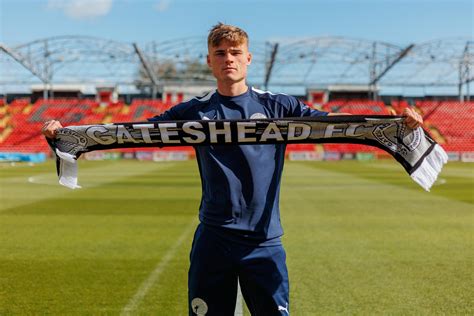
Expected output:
{"points": [[373, 73], [374, 78], [468, 92], [148, 69], [464, 72], [270, 64], [46, 72]]}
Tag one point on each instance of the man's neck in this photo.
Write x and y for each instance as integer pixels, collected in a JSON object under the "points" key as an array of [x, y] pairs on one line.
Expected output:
{"points": [[232, 90]]}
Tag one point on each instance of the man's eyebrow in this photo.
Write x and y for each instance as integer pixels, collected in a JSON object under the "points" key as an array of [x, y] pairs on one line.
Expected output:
{"points": [[230, 49]]}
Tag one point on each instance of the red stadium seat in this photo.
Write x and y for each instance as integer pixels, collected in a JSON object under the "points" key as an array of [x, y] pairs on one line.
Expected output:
{"points": [[450, 122]]}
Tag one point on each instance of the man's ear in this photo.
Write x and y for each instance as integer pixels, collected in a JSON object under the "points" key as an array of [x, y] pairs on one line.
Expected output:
{"points": [[249, 59], [208, 61]]}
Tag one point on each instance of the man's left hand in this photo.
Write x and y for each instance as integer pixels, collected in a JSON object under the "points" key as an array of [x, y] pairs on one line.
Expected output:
{"points": [[413, 119]]}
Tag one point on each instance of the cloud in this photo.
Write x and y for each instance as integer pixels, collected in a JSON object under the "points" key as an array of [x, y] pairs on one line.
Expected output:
{"points": [[162, 5], [81, 9]]}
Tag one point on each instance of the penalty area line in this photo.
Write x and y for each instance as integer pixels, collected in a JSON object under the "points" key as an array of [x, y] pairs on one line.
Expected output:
{"points": [[154, 275]]}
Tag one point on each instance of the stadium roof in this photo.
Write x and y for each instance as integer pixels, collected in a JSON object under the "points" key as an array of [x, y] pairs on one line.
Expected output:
{"points": [[317, 61]]}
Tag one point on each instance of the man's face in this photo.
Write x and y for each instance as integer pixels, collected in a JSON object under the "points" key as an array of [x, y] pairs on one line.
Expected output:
{"points": [[228, 61]]}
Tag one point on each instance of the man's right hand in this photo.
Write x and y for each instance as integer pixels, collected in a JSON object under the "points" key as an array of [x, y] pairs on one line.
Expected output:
{"points": [[50, 127]]}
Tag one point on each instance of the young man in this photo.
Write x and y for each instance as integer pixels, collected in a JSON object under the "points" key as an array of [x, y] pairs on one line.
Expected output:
{"points": [[239, 237]]}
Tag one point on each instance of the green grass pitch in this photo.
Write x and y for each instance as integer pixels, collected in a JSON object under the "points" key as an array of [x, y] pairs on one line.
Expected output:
{"points": [[361, 238]]}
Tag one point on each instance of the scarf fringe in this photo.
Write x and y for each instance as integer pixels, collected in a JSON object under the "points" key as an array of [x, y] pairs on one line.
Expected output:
{"points": [[67, 170], [428, 171]]}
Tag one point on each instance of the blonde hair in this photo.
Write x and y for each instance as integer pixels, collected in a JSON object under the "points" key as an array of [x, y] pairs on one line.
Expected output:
{"points": [[221, 32]]}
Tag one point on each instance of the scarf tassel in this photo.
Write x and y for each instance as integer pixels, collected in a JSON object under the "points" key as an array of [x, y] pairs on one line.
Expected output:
{"points": [[428, 171]]}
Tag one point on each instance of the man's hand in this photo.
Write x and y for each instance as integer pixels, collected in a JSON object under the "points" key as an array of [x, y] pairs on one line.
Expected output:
{"points": [[413, 119], [50, 127]]}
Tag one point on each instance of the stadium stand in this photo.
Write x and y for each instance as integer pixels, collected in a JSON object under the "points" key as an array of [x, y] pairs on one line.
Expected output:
{"points": [[362, 107], [399, 105], [451, 123]]}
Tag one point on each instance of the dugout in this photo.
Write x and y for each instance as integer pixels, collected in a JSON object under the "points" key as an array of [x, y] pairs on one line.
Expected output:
{"points": [[175, 92], [350, 92], [63, 91], [106, 95], [319, 95]]}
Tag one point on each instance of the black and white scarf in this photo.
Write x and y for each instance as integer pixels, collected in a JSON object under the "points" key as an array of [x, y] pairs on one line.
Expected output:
{"points": [[420, 155]]}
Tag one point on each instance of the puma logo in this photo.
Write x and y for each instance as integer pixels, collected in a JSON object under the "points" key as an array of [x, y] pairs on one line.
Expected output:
{"points": [[281, 308]]}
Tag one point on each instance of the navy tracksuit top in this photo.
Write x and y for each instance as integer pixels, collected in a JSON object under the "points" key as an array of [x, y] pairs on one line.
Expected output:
{"points": [[241, 183]]}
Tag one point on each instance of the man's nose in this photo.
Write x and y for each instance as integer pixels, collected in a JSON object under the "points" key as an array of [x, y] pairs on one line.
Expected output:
{"points": [[229, 58]]}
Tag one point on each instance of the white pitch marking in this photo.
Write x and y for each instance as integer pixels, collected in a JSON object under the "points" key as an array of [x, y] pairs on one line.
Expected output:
{"points": [[239, 304], [153, 277], [43, 179]]}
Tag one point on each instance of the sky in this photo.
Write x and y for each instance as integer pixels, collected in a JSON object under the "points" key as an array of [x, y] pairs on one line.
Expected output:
{"points": [[399, 22]]}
